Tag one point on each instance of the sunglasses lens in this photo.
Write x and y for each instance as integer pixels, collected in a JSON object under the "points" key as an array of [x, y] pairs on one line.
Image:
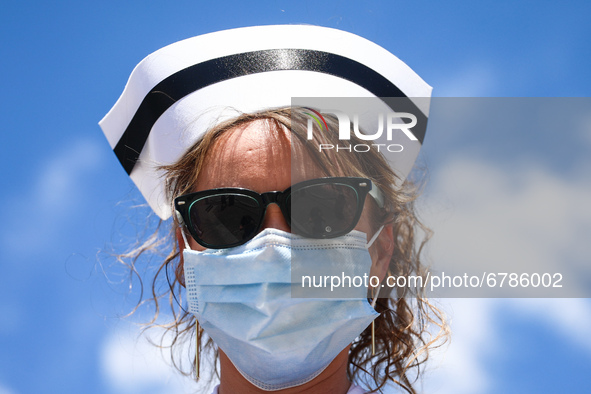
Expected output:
{"points": [[324, 210], [225, 220]]}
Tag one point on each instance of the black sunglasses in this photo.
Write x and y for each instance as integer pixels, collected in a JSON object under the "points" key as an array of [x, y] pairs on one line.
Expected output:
{"points": [[317, 208]]}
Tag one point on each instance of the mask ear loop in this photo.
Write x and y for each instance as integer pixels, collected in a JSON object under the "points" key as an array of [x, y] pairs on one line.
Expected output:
{"points": [[375, 298], [375, 236], [197, 333]]}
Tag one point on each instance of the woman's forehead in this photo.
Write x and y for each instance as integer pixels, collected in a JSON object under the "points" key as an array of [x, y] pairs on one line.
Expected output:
{"points": [[258, 155]]}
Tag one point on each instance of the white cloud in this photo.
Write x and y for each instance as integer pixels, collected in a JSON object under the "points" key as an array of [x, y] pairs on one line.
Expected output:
{"points": [[132, 365], [570, 318], [585, 130], [58, 182], [505, 215], [470, 80], [502, 219], [34, 215], [6, 390], [458, 367], [463, 365]]}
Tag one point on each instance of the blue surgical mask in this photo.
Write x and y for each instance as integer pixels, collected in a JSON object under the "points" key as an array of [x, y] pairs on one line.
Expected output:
{"points": [[242, 299]]}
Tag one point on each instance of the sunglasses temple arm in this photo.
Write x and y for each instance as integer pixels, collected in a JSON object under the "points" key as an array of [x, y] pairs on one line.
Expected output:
{"points": [[179, 218], [377, 195]]}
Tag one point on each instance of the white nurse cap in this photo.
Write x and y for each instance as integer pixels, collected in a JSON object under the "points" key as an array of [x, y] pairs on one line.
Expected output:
{"points": [[177, 93]]}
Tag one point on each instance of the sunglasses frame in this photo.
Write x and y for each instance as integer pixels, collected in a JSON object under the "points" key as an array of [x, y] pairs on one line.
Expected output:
{"points": [[362, 186]]}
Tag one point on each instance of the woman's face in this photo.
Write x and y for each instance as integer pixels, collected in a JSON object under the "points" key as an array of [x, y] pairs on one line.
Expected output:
{"points": [[255, 156]]}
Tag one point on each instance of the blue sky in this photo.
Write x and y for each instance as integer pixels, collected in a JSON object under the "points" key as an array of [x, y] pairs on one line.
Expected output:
{"points": [[65, 200]]}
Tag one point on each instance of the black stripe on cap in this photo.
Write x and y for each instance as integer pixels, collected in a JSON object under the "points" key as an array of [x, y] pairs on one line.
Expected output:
{"points": [[198, 76]]}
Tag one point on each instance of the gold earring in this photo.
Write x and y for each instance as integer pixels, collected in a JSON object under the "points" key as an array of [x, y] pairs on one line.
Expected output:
{"points": [[197, 343], [373, 341], [373, 323]]}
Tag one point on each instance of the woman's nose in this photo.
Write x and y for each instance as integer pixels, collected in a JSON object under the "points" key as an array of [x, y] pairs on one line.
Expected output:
{"points": [[274, 219]]}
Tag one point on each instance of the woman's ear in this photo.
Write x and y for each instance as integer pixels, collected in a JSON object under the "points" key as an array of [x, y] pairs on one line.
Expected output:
{"points": [[180, 269], [381, 252]]}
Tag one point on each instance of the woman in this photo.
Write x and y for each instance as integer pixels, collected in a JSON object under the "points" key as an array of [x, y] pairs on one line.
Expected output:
{"points": [[274, 194]]}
